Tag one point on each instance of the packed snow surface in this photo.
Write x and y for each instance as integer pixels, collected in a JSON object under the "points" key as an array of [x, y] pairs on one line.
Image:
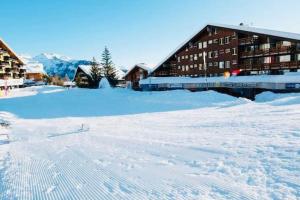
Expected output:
{"points": [[120, 144]]}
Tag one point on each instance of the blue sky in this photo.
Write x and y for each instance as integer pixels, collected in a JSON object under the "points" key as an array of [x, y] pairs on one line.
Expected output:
{"points": [[134, 30]]}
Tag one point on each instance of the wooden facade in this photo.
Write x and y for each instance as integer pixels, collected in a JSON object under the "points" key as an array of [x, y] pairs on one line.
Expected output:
{"points": [[35, 76], [11, 67], [135, 74], [218, 49], [82, 77]]}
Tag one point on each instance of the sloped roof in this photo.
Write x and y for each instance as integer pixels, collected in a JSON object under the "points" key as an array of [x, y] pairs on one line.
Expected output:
{"points": [[10, 51], [87, 70], [280, 34], [140, 65]]}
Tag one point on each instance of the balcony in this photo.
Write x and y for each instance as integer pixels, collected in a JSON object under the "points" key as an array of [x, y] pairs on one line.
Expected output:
{"points": [[7, 70], [245, 41], [266, 52], [4, 63]]}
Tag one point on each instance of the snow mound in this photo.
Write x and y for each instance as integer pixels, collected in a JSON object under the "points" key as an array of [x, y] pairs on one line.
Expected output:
{"points": [[277, 99], [104, 84]]}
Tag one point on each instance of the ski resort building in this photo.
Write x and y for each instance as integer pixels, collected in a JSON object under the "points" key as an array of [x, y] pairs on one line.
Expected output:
{"points": [[11, 68], [215, 55], [135, 74], [217, 49]]}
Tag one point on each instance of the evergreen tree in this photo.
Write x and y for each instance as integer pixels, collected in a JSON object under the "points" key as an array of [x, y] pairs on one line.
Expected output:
{"points": [[95, 73], [109, 70]]}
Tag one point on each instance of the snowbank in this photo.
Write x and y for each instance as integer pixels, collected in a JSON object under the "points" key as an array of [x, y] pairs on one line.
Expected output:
{"points": [[278, 98]]}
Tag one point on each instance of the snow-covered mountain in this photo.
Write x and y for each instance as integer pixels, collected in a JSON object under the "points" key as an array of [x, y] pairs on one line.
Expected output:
{"points": [[31, 65], [55, 64]]}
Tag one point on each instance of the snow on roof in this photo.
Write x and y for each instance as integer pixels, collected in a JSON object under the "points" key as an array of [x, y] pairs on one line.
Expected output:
{"points": [[87, 69], [281, 34], [140, 65], [10, 50]]}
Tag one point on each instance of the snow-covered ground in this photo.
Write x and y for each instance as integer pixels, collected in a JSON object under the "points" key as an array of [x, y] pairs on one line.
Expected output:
{"points": [[120, 144]]}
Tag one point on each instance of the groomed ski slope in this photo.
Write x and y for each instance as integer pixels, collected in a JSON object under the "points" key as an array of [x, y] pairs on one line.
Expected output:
{"points": [[120, 144]]}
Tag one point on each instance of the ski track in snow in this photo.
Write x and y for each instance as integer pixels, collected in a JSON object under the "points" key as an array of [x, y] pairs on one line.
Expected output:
{"points": [[240, 151]]}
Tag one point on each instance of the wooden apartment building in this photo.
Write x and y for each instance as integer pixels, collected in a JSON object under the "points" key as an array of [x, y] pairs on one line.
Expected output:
{"points": [[218, 49], [11, 67]]}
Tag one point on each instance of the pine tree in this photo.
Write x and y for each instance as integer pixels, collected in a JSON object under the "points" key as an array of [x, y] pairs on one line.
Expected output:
{"points": [[109, 70], [95, 73]]}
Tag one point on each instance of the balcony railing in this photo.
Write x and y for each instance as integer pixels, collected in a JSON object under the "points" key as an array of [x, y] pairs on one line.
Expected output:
{"points": [[277, 65], [263, 52]]}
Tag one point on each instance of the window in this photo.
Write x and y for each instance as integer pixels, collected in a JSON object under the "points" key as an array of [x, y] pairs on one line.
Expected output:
{"points": [[210, 41], [286, 43], [210, 54], [216, 41], [186, 57], [200, 45], [216, 64], [234, 51], [191, 66], [227, 64], [221, 51], [210, 64], [187, 68], [179, 67], [221, 41], [178, 59], [215, 31], [233, 37], [195, 57], [265, 46], [200, 66], [298, 57], [227, 50], [183, 68], [191, 57], [200, 55], [286, 58], [204, 44], [221, 65], [215, 54], [186, 49], [267, 59], [195, 65], [234, 62], [226, 40]]}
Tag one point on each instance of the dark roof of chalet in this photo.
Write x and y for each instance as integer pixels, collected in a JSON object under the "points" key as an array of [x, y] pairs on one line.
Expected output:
{"points": [[10, 51], [243, 28]]}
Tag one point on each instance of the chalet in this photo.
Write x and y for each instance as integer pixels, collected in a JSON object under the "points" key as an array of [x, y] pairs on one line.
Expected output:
{"points": [[83, 77], [11, 68], [217, 49], [135, 74]]}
